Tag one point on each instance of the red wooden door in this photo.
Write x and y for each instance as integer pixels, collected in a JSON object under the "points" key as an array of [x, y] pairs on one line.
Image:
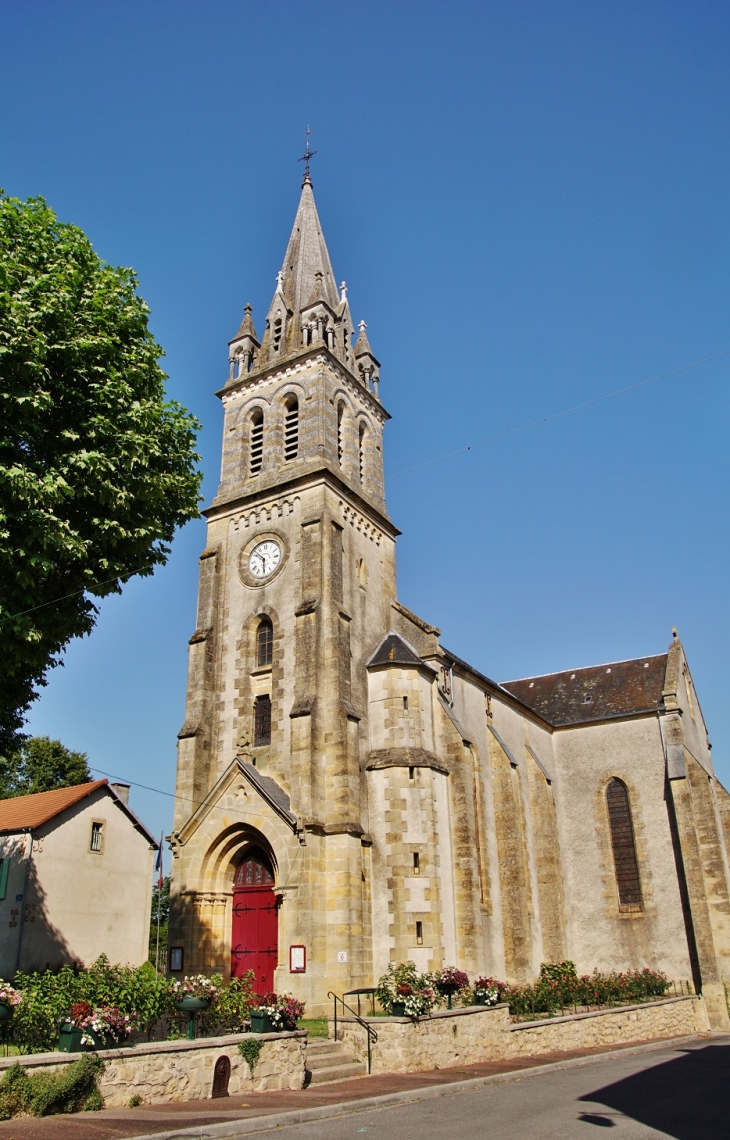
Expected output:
{"points": [[254, 937]]}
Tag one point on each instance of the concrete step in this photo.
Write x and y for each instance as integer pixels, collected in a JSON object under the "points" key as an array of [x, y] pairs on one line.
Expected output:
{"points": [[327, 1060], [338, 1073], [322, 1045]]}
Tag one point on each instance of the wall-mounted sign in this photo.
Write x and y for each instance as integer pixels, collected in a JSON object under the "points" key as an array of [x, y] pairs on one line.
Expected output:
{"points": [[297, 959], [342, 955], [176, 959]]}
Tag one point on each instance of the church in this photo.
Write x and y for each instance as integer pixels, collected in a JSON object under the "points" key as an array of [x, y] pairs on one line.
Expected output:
{"points": [[350, 792]]}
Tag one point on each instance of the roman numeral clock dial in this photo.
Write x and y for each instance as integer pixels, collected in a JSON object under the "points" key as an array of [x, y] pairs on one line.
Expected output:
{"points": [[264, 559]]}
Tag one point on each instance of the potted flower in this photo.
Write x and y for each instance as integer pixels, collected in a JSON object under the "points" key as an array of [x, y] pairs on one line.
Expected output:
{"points": [[192, 995], [86, 1028], [276, 1013], [450, 981], [403, 992], [486, 991], [9, 998]]}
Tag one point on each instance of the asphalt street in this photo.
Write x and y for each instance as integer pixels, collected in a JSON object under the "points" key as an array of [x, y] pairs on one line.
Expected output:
{"points": [[681, 1093]]}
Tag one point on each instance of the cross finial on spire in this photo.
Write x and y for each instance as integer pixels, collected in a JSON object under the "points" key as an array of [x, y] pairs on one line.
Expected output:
{"points": [[305, 158]]}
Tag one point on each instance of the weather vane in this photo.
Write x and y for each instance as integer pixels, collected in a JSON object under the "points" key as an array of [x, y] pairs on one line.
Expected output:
{"points": [[306, 156]]}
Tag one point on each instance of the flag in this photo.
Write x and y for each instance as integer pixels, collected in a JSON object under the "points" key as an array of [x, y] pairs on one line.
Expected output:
{"points": [[158, 866]]}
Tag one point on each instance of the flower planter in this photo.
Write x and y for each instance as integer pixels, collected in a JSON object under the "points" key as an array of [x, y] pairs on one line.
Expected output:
{"points": [[192, 1005], [261, 1023], [481, 999], [398, 1009], [69, 1040], [6, 1011], [448, 990]]}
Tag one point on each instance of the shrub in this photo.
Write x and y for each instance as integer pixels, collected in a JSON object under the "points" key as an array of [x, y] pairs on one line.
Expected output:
{"points": [[231, 1009], [46, 1094], [402, 983]]}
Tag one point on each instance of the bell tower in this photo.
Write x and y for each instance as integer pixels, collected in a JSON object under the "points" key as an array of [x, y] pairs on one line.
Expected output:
{"points": [[296, 584]]}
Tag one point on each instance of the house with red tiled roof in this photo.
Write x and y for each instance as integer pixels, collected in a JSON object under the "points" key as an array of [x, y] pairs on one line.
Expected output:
{"points": [[75, 878]]}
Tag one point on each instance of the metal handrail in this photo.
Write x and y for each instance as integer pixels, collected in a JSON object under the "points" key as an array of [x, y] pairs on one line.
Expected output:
{"points": [[371, 1034]]}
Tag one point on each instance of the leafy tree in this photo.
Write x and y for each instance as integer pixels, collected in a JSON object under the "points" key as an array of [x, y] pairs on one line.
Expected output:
{"points": [[161, 899], [39, 765], [96, 468]]}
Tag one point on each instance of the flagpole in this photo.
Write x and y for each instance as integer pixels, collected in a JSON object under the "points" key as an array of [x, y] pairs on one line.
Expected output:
{"points": [[160, 882]]}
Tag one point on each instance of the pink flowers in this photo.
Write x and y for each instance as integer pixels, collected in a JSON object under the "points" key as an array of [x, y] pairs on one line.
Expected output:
{"points": [[9, 996], [195, 985]]}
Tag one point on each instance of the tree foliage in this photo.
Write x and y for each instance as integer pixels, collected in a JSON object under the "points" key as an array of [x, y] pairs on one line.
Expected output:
{"points": [[40, 765], [96, 468], [161, 903]]}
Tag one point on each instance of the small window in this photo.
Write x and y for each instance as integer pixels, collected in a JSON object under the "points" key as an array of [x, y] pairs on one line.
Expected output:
{"points": [[257, 442], [262, 721], [416, 863], [96, 843], [411, 773], [291, 430], [264, 642], [340, 433], [361, 451], [419, 934], [624, 846], [405, 704]]}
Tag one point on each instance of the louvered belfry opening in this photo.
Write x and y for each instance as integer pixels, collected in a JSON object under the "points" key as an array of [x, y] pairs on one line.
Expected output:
{"points": [[262, 721], [257, 441], [361, 452], [264, 642], [624, 846], [340, 447], [291, 429]]}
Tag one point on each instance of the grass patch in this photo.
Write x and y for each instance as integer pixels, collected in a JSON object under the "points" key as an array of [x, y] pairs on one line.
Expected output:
{"points": [[316, 1026]]}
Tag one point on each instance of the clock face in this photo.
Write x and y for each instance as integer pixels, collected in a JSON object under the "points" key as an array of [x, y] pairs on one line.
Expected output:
{"points": [[264, 558]]}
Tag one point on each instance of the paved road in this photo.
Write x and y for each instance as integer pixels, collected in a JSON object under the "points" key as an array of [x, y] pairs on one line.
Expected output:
{"points": [[680, 1093]]}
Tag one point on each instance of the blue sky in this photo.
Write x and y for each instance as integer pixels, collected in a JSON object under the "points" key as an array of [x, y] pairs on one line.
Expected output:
{"points": [[529, 202]]}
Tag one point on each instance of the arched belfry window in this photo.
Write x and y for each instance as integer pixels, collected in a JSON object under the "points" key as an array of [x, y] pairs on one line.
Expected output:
{"points": [[291, 429], [264, 642], [623, 844], [255, 870], [257, 442], [340, 430], [361, 451]]}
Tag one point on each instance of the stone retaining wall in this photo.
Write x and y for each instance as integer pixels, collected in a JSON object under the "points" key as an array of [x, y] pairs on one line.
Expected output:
{"points": [[466, 1036], [166, 1071]]}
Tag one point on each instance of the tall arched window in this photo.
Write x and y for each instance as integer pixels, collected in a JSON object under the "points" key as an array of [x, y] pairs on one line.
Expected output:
{"points": [[262, 721], [624, 847], [361, 451], [264, 642], [291, 429], [340, 439], [257, 441]]}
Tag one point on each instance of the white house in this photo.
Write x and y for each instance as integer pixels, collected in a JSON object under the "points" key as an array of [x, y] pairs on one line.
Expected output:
{"points": [[75, 878]]}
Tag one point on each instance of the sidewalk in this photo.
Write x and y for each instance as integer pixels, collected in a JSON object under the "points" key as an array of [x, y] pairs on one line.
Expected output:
{"points": [[194, 1115]]}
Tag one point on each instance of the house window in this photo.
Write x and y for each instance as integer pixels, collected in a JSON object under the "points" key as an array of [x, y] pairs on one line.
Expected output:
{"points": [[96, 843], [262, 721], [264, 642], [257, 442], [624, 846], [291, 429]]}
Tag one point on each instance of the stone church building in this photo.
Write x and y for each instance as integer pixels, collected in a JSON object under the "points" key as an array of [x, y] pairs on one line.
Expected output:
{"points": [[349, 791]]}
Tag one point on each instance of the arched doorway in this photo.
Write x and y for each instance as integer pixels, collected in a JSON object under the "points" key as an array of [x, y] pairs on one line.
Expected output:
{"points": [[254, 937]]}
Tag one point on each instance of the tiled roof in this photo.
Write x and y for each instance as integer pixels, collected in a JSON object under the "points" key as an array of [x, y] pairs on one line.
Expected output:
{"points": [[600, 692], [24, 812]]}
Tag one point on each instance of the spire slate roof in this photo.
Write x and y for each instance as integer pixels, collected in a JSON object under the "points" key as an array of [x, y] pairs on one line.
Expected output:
{"points": [[306, 254], [394, 651], [600, 692]]}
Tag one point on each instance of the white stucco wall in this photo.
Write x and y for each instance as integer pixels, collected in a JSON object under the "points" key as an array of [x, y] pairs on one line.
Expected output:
{"points": [[77, 904]]}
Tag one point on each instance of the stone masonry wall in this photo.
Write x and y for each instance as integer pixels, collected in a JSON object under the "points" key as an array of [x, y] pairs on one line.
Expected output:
{"points": [[467, 1036], [168, 1071]]}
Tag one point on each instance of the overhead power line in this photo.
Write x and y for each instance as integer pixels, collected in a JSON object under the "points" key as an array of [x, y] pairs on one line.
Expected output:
{"points": [[557, 415]]}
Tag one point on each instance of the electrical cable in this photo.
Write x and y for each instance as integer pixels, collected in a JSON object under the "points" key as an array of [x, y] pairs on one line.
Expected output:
{"points": [[557, 415]]}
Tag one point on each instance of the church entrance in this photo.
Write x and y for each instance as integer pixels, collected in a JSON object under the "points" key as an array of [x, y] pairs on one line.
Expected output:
{"points": [[254, 937]]}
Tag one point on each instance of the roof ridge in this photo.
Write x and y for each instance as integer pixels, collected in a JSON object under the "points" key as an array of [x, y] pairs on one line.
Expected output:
{"points": [[582, 668]]}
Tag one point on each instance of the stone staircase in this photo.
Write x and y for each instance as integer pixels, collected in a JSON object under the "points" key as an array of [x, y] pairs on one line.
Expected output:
{"points": [[328, 1061]]}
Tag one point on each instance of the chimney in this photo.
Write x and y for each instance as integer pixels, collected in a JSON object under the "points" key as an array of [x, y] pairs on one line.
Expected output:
{"points": [[122, 791]]}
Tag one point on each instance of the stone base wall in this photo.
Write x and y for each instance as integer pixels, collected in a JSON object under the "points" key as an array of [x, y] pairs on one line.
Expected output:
{"points": [[168, 1071], [466, 1036]]}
